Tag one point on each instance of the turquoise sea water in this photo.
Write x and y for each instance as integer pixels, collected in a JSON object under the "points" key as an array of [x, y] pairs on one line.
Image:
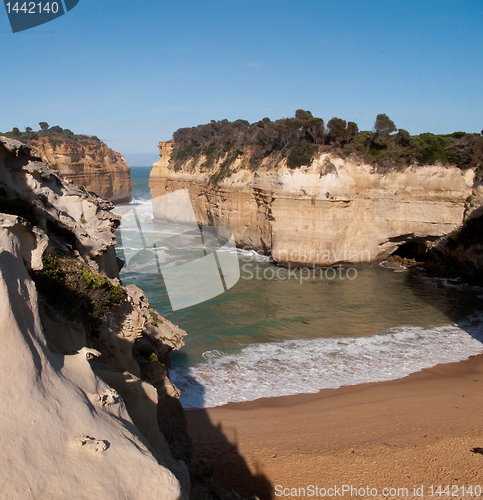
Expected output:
{"points": [[277, 332]]}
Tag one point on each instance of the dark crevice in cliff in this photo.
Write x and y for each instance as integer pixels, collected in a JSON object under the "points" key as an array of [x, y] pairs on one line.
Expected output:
{"points": [[413, 251], [456, 255], [460, 254]]}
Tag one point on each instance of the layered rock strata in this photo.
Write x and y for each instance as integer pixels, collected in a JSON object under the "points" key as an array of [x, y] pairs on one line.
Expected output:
{"points": [[336, 211], [88, 163], [78, 419]]}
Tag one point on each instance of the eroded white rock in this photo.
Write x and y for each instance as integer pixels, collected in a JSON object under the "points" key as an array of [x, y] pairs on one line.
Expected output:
{"points": [[47, 420]]}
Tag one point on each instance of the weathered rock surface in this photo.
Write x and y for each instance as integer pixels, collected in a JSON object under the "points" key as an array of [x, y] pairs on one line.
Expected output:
{"points": [[335, 211], [89, 163], [77, 420], [460, 254]]}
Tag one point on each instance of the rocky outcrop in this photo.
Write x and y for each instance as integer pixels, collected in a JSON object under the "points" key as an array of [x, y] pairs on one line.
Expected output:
{"points": [[336, 211], [89, 163], [460, 254], [78, 419]]}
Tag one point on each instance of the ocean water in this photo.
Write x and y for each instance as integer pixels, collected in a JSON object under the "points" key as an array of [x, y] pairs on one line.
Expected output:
{"points": [[280, 333]]}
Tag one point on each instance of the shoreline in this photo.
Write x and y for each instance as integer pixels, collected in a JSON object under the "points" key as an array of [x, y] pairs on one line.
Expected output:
{"points": [[417, 430]]}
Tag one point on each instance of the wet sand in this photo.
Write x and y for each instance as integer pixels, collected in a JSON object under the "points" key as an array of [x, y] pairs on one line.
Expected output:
{"points": [[412, 433]]}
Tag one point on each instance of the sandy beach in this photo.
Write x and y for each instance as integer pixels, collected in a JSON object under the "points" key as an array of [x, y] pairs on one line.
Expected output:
{"points": [[400, 439]]}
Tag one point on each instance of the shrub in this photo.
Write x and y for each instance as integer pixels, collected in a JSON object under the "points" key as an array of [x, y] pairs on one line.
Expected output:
{"points": [[431, 149], [148, 354], [301, 153], [54, 142], [403, 138], [76, 291]]}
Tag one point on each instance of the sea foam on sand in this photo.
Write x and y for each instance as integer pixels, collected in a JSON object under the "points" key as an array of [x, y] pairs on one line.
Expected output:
{"points": [[307, 366]]}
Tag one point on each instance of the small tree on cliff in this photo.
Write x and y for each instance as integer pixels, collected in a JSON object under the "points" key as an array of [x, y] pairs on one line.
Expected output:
{"points": [[337, 130], [352, 129], [403, 138], [301, 114], [384, 125], [44, 126], [29, 130]]}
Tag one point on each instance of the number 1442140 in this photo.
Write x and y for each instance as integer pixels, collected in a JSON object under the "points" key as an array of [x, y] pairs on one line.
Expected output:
{"points": [[32, 7]]}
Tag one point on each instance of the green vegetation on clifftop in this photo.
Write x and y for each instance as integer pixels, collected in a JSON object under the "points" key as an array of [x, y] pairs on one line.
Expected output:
{"points": [[55, 135], [299, 139]]}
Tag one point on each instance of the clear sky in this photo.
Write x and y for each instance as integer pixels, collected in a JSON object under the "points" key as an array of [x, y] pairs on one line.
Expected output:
{"points": [[134, 71]]}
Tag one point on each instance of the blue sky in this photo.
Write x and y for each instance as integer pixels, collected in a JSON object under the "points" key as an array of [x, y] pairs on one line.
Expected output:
{"points": [[132, 72]]}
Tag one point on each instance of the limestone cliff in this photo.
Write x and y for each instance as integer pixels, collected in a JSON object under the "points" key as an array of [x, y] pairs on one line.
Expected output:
{"points": [[88, 162], [78, 417], [337, 210]]}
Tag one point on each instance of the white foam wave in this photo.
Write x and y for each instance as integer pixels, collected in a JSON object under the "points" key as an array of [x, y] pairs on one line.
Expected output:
{"points": [[253, 256], [306, 366], [145, 201]]}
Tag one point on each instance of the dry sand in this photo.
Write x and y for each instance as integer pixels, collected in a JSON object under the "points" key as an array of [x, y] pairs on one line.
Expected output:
{"points": [[409, 433]]}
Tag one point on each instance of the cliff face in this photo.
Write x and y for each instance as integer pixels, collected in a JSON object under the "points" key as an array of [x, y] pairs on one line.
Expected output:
{"points": [[84, 389], [88, 163], [460, 254], [335, 211]]}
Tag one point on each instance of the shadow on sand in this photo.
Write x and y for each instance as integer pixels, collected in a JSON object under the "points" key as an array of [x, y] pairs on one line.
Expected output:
{"points": [[216, 455]]}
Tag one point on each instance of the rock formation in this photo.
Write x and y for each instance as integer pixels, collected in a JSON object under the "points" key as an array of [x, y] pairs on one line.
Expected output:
{"points": [[89, 163], [77, 417], [336, 211], [460, 254]]}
